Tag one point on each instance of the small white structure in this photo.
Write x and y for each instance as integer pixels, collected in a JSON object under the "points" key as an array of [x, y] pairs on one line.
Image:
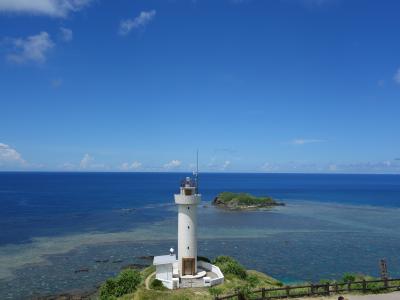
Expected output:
{"points": [[165, 270], [186, 271]]}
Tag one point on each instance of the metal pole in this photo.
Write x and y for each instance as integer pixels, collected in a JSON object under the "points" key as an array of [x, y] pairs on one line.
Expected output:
{"points": [[197, 171]]}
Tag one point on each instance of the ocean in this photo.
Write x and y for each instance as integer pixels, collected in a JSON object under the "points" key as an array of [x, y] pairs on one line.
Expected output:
{"points": [[62, 232]]}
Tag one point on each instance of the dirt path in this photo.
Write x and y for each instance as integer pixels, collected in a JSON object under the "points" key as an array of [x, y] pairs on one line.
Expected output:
{"points": [[389, 296], [147, 281]]}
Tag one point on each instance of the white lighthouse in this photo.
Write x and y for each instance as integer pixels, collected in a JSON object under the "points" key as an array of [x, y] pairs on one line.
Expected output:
{"points": [[186, 271], [187, 201]]}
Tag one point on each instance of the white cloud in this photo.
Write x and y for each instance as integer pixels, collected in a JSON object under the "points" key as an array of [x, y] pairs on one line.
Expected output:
{"points": [[293, 167], [386, 166], [125, 166], [305, 141], [136, 165], [268, 167], [66, 34], [53, 8], [68, 166], [217, 165], [144, 18], [34, 48], [131, 166], [86, 161], [396, 76], [332, 167], [225, 165], [173, 164], [309, 167], [10, 155]]}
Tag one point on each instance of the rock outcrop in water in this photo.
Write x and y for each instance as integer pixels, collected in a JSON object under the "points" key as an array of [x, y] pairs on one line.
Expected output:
{"points": [[244, 201]]}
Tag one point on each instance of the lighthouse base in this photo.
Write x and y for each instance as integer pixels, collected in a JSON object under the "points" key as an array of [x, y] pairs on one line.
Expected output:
{"points": [[190, 281], [167, 272], [198, 275], [207, 275]]}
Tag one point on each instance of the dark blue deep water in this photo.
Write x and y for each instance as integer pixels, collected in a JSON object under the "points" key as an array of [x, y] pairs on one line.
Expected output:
{"points": [[54, 223], [37, 204]]}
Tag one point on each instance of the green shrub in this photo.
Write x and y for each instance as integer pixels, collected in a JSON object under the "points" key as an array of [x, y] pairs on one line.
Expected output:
{"points": [[108, 289], [230, 266], [157, 285], [203, 258], [348, 277], [126, 282], [325, 281], [222, 259], [376, 287]]}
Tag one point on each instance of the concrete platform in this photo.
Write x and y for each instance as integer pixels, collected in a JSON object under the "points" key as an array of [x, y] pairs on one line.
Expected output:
{"points": [[200, 274]]}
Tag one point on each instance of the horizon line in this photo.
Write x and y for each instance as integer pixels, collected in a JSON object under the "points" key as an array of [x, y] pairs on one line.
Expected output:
{"points": [[185, 172]]}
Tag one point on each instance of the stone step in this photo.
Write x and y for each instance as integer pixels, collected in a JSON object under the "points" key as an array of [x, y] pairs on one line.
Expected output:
{"points": [[188, 283]]}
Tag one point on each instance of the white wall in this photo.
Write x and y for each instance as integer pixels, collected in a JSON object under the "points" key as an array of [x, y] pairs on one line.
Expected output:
{"points": [[187, 233], [167, 283], [172, 283], [164, 272], [216, 270]]}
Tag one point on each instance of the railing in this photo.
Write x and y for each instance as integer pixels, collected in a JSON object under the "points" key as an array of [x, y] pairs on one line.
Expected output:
{"points": [[326, 289]]}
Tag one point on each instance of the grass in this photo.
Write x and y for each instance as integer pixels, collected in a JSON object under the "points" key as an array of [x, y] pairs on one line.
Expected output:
{"points": [[147, 271], [235, 280], [180, 294], [254, 280], [352, 280], [231, 285]]}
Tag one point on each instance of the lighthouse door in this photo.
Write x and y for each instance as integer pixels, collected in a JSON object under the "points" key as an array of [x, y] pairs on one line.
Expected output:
{"points": [[188, 265]]}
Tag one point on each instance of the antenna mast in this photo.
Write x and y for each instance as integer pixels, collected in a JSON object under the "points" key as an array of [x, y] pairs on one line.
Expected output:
{"points": [[197, 171]]}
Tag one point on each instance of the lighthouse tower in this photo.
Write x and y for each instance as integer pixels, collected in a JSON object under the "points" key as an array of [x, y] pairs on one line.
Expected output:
{"points": [[186, 271], [187, 201]]}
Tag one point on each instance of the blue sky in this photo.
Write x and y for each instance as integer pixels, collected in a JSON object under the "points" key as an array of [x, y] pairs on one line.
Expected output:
{"points": [[255, 85]]}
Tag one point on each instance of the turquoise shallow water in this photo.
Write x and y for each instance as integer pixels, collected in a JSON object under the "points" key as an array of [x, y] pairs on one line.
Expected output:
{"points": [[321, 233]]}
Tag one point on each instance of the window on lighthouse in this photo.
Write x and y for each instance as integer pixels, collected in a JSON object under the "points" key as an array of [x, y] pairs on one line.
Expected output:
{"points": [[188, 207], [188, 227]]}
